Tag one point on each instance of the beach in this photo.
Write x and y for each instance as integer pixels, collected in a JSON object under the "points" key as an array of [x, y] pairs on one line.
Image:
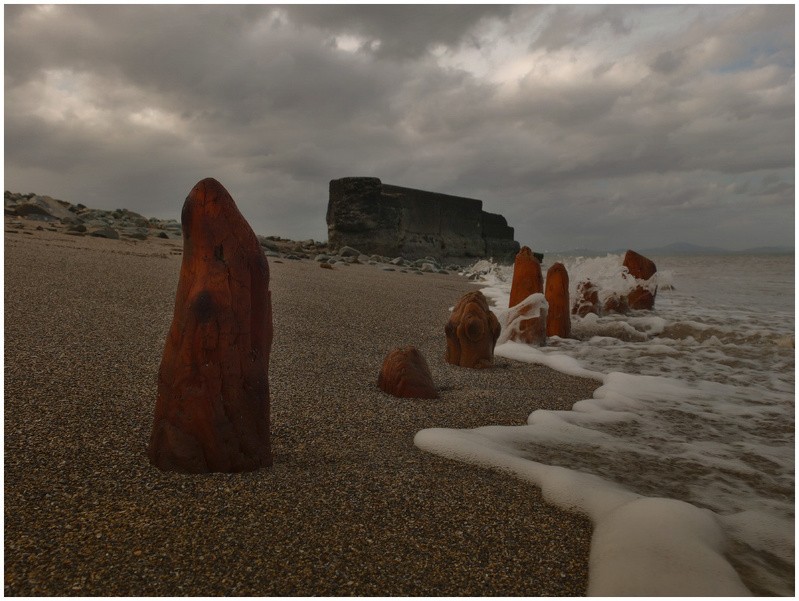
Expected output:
{"points": [[350, 506]]}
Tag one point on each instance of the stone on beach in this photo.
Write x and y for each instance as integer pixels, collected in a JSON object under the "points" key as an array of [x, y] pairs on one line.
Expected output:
{"points": [[641, 268], [527, 280], [405, 374], [212, 409], [472, 332], [557, 296]]}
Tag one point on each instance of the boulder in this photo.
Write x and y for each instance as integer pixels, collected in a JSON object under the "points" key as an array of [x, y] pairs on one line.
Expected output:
{"points": [[527, 280], [405, 374], [105, 232], [43, 206], [212, 409], [472, 332], [587, 300], [268, 243], [642, 269], [137, 233], [556, 293], [348, 251]]}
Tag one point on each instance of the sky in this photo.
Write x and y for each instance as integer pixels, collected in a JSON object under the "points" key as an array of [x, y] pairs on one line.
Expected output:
{"points": [[593, 126]]}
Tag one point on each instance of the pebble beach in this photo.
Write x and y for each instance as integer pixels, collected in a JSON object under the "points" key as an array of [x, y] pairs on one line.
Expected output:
{"points": [[350, 506]]}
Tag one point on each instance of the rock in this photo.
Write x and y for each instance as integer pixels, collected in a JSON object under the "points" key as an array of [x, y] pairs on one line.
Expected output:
{"points": [[325, 266], [556, 293], [321, 257], [30, 210], [137, 233], [43, 206], [397, 261], [79, 227], [348, 251], [587, 300], [405, 374], [641, 268], [268, 243], [105, 232], [472, 332], [527, 280], [130, 218], [212, 410], [71, 219], [163, 235]]}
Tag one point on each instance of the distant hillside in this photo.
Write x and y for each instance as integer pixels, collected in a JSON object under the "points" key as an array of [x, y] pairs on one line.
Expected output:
{"points": [[682, 248], [685, 248], [768, 250]]}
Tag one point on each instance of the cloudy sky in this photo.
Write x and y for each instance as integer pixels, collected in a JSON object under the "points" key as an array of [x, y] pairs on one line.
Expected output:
{"points": [[592, 126]]}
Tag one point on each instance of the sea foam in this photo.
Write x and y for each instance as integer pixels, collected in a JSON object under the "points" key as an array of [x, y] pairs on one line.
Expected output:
{"points": [[683, 458]]}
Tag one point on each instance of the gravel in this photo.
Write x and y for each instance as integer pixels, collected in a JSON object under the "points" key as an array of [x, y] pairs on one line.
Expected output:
{"points": [[350, 506]]}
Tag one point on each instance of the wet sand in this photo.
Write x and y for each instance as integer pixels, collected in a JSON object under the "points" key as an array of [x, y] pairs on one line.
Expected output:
{"points": [[350, 506]]}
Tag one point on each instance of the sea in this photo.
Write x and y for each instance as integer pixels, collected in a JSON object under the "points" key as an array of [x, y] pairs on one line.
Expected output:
{"points": [[684, 457]]}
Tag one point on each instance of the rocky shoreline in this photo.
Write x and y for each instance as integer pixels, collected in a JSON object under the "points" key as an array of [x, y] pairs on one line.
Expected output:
{"points": [[30, 211]]}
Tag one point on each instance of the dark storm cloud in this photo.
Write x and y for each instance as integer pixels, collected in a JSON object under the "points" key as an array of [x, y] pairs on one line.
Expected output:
{"points": [[584, 126], [400, 31]]}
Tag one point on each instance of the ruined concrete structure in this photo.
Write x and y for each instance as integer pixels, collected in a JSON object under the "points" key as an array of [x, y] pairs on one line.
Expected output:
{"points": [[378, 218]]}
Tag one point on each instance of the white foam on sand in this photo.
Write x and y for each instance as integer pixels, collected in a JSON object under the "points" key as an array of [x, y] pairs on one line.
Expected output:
{"points": [[641, 546], [689, 481]]}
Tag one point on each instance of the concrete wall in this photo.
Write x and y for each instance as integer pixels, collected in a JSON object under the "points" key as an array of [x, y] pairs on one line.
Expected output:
{"points": [[379, 218]]}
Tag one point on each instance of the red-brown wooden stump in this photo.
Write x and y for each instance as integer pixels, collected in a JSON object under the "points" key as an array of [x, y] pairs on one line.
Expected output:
{"points": [[405, 374], [212, 409], [641, 268], [557, 295], [472, 332], [527, 280]]}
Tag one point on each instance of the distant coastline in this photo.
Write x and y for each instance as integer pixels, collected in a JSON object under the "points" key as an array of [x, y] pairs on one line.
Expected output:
{"points": [[681, 248]]}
